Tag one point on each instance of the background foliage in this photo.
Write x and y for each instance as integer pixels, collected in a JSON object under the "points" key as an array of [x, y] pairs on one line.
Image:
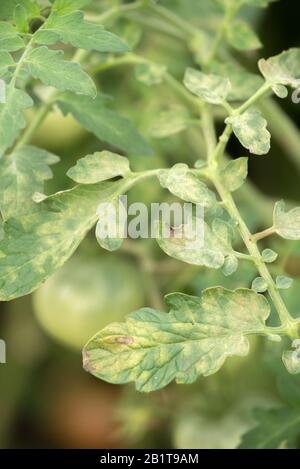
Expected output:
{"points": [[46, 397]]}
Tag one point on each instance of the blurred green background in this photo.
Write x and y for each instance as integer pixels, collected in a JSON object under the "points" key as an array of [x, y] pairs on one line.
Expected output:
{"points": [[46, 399]]}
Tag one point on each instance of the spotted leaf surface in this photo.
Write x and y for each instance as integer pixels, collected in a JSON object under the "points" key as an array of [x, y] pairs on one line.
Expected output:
{"points": [[98, 167], [194, 339], [251, 130]]}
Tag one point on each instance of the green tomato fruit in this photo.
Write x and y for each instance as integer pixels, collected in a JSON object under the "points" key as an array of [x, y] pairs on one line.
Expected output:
{"points": [[85, 296]]}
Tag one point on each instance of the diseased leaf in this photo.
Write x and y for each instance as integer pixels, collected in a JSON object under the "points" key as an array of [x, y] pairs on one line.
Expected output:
{"points": [[283, 69], [283, 282], [251, 130], [23, 172], [213, 89], [244, 84], [259, 285], [49, 67], [110, 229], [150, 73], [291, 360], [230, 265], [242, 37], [181, 182], [37, 244], [154, 348], [9, 38], [287, 224], [106, 124], [169, 123], [235, 173], [6, 61], [274, 427], [280, 91], [197, 243], [269, 256], [98, 167], [73, 29], [11, 116]]}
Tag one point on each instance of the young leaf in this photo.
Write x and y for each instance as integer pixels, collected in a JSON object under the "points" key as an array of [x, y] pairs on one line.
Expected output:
{"points": [[150, 73], [154, 348], [259, 285], [244, 84], [242, 37], [274, 427], [6, 61], [73, 29], [106, 124], [210, 88], [251, 130], [291, 360], [181, 182], [23, 172], [11, 116], [169, 123], [283, 282], [287, 224], [37, 244], [283, 69], [49, 67], [9, 38], [235, 173], [21, 20], [206, 248], [98, 167], [269, 256], [230, 265]]}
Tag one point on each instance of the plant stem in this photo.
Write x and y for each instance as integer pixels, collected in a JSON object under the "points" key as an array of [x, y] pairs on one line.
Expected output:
{"points": [[176, 20], [116, 11], [286, 319], [263, 234], [228, 202], [35, 123]]}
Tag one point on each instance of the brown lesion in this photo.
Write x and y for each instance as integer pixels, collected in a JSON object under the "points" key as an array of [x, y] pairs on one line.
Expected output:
{"points": [[124, 340]]}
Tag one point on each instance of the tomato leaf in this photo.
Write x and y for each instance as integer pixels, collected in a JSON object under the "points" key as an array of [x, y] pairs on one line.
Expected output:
{"points": [[154, 348], [73, 29], [49, 67], [213, 89], [235, 173], [242, 37], [287, 224], [181, 182], [11, 116], [23, 172], [37, 244], [251, 130], [274, 428], [98, 167], [106, 124]]}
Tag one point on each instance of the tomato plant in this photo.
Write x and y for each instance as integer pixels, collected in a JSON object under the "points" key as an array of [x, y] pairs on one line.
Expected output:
{"points": [[52, 54]]}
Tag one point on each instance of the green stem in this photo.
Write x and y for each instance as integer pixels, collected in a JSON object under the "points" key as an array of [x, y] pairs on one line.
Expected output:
{"points": [[263, 234], [228, 202], [286, 319], [116, 11], [176, 20]]}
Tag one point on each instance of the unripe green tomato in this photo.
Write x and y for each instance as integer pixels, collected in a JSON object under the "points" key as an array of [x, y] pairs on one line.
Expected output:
{"points": [[86, 295]]}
